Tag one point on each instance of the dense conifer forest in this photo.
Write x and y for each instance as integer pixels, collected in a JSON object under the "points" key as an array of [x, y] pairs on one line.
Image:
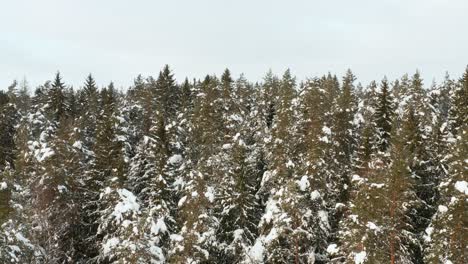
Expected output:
{"points": [[224, 170]]}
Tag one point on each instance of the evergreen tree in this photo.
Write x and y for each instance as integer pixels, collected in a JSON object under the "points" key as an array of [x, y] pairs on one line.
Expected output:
{"points": [[383, 116], [8, 120], [378, 226], [57, 107], [447, 235]]}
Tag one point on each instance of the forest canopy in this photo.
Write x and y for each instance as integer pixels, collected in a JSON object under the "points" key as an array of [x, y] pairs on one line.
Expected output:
{"points": [[224, 170]]}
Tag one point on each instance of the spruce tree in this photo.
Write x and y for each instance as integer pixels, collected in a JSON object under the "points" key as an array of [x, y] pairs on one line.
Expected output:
{"points": [[383, 116], [447, 235]]}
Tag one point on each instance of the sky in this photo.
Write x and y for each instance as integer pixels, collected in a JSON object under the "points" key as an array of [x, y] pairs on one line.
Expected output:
{"points": [[116, 40]]}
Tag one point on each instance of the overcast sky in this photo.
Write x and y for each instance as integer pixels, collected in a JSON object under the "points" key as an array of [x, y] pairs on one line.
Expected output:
{"points": [[117, 40]]}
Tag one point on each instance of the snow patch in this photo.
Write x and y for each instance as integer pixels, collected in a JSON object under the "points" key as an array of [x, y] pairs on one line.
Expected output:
{"points": [[62, 188], [303, 183], [3, 186], [315, 195], [360, 257], [159, 226], [332, 249], [428, 232], [442, 209], [77, 145], [238, 234], [227, 146], [175, 159], [110, 244], [182, 201], [462, 186], [373, 226], [256, 252], [209, 194], [128, 203], [377, 185]]}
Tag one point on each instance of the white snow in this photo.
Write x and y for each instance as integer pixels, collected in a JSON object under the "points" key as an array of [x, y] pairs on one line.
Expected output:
{"points": [[377, 185], [62, 188], [357, 178], [238, 234], [339, 205], [176, 237], [428, 232], [110, 244], [442, 209], [175, 159], [324, 139], [209, 194], [303, 183], [332, 249], [128, 203], [270, 210], [256, 252], [373, 226], [462, 186], [358, 119], [271, 236], [43, 153], [157, 252], [227, 146], [3, 186], [323, 215], [354, 218], [182, 201], [77, 144], [315, 195], [326, 130], [25, 241], [289, 164], [360, 257], [159, 226]]}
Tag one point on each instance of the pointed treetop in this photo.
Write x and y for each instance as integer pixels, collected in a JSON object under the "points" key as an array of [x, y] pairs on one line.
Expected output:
{"points": [[90, 84], [226, 77], [58, 84]]}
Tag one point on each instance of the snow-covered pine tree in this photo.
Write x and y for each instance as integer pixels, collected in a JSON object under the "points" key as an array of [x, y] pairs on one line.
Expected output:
{"points": [[16, 226], [378, 226], [458, 114], [238, 208], [195, 241], [343, 130], [314, 145], [447, 235], [88, 105], [383, 115], [287, 217]]}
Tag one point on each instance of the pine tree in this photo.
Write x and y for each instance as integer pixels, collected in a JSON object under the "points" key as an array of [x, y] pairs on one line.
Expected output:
{"points": [[284, 222], [89, 109], [8, 120], [383, 116], [344, 129], [458, 111], [447, 235], [378, 227], [57, 107], [16, 236], [238, 208], [195, 240]]}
